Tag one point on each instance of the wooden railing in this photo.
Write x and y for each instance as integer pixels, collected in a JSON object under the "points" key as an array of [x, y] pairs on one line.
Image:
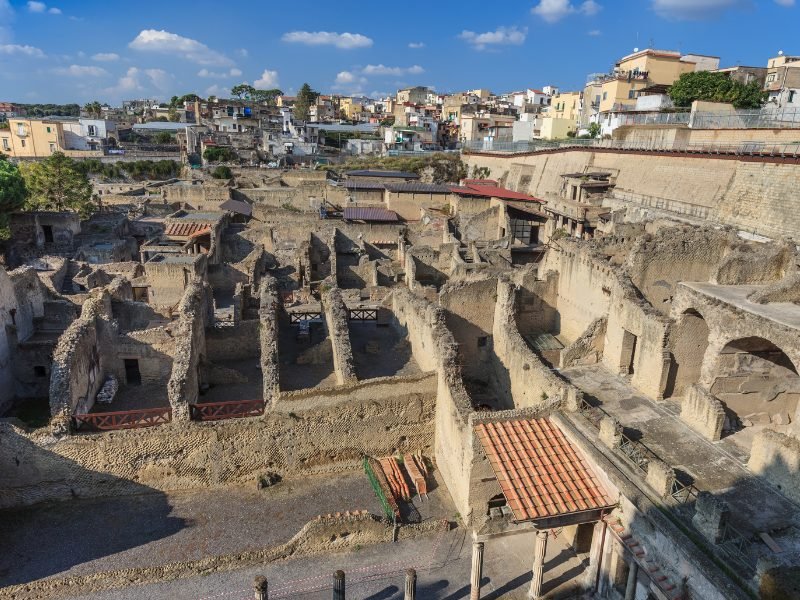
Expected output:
{"points": [[235, 409], [123, 419]]}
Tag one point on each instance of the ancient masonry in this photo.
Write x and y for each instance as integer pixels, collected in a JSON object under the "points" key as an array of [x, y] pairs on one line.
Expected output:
{"points": [[657, 340]]}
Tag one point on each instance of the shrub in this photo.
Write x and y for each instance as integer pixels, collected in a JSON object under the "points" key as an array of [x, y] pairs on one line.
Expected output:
{"points": [[222, 172]]}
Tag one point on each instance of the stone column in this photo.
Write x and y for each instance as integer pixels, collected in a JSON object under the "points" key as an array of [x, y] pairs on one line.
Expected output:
{"points": [[538, 565], [477, 571], [579, 230], [261, 588], [411, 585], [338, 585], [633, 574]]}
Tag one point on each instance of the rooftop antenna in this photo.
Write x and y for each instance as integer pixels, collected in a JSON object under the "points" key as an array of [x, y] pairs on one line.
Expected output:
{"points": [[651, 43]]}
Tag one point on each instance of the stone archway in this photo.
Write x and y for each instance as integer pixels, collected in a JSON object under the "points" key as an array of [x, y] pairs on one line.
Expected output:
{"points": [[687, 343], [757, 381]]}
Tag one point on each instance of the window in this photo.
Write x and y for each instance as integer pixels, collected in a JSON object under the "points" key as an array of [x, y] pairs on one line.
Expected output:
{"points": [[92, 130], [48, 233], [605, 95], [22, 143], [20, 129], [52, 148], [482, 341], [48, 130], [791, 96], [631, 94], [5, 144]]}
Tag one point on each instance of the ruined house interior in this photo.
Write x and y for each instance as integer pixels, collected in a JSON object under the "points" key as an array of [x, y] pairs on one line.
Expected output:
{"points": [[657, 358]]}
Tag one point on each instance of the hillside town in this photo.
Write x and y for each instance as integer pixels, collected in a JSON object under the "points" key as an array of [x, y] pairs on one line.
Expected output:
{"points": [[537, 343]]}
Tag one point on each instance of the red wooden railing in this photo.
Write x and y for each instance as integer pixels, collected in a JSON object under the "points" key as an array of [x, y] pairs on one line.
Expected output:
{"points": [[216, 411], [123, 419]]}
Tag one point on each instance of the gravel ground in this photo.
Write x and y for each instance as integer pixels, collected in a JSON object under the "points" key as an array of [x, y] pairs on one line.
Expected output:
{"points": [[86, 536]]}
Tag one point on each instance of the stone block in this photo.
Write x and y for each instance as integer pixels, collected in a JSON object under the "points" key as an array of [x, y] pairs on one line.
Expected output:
{"points": [[610, 432], [660, 477], [703, 412], [710, 516]]}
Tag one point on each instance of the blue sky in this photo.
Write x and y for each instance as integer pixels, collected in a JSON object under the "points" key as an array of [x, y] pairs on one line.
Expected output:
{"points": [[76, 51]]}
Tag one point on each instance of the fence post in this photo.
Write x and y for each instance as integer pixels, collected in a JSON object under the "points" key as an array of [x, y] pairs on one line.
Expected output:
{"points": [[338, 585], [261, 588]]}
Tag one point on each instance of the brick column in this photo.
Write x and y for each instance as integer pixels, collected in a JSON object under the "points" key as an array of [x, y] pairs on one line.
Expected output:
{"points": [[660, 477], [538, 565], [411, 585], [261, 588], [610, 432], [338, 585], [477, 571]]}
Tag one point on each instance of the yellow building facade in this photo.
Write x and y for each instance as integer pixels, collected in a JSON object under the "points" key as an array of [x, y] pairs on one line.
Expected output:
{"points": [[32, 138], [645, 68]]}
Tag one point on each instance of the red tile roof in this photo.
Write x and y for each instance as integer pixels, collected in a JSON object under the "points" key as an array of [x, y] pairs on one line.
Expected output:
{"points": [[489, 191], [540, 472], [185, 229]]}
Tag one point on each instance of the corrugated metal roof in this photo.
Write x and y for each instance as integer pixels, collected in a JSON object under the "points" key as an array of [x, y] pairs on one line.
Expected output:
{"points": [[379, 173], [539, 470], [364, 185], [367, 213], [419, 188], [237, 206]]}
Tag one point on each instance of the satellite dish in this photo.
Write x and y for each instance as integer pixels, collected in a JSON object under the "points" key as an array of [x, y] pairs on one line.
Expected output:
{"points": [[635, 49], [780, 52]]}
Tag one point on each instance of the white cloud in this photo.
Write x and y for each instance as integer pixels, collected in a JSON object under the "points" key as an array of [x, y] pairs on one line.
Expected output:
{"points": [[396, 71], [595, 32], [134, 81], [165, 42], [234, 72], [54, 11], [105, 56], [694, 10], [81, 71], [416, 45], [267, 81], [346, 41], [553, 11], [502, 36], [215, 90], [37, 7], [345, 77], [786, 3], [19, 49], [243, 52]]}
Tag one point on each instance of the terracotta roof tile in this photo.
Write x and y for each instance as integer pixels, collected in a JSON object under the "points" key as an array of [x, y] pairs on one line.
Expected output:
{"points": [[185, 229], [540, 472]]}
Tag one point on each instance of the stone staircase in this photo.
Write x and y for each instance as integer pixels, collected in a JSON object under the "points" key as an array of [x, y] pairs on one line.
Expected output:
{"points": [[651, 567]]}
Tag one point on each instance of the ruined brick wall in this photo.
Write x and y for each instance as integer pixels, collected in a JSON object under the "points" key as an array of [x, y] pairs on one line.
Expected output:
{"points": [[269, 305], [205, 196], [190, 349], [703, 412], [755, 196], [776, 457], [435, 349], [336, 318], [520, 375], [307, 431], [80, 361], [238, 342]]}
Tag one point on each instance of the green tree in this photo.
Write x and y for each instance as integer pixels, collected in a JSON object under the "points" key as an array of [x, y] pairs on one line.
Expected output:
{"points": [[57, 183], [594, 130], [222, 172], [93, 109], [305, 98], [219, 154], [12, 192], [173, 115], [266, 96], [243, 90], [163, 137], [715, 87]]}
